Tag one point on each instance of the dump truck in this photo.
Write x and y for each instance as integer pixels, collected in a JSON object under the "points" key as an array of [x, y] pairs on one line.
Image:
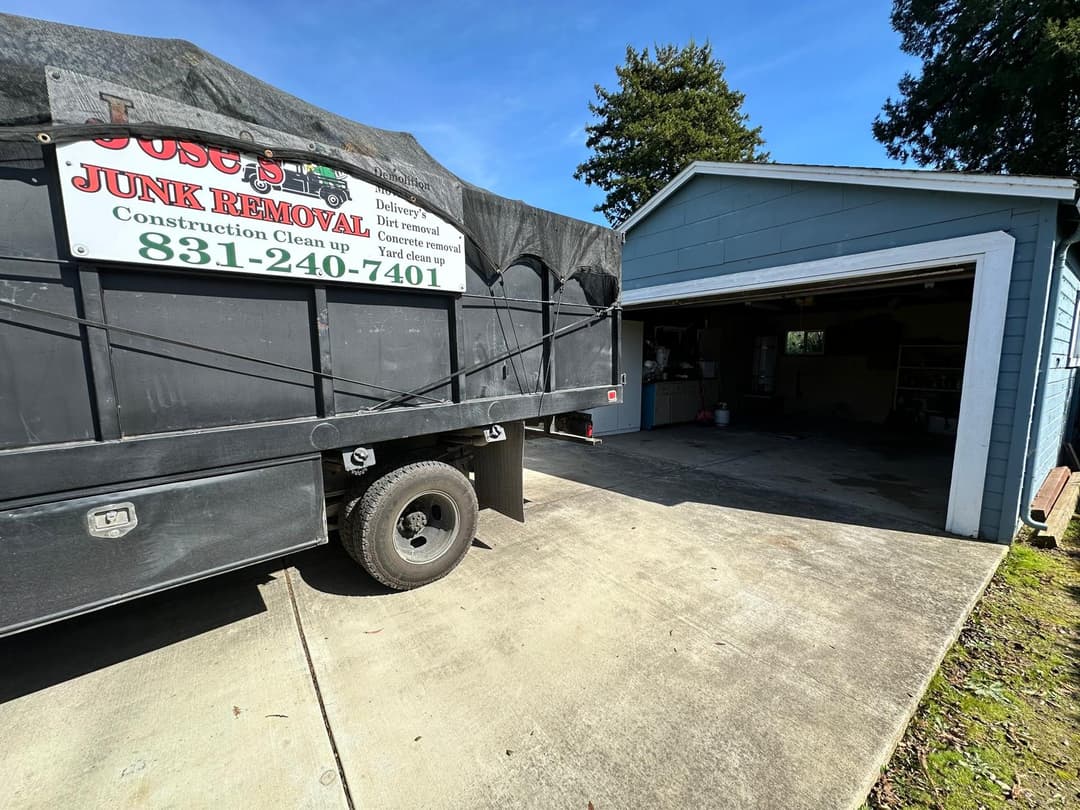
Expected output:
{"points": [[232, 322]]}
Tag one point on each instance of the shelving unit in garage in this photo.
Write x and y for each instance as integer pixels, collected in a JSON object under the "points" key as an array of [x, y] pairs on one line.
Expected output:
{"points": [[929, 378]]}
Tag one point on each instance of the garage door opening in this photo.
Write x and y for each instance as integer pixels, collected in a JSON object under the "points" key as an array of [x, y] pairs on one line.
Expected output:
{"points": [[849, 393]]}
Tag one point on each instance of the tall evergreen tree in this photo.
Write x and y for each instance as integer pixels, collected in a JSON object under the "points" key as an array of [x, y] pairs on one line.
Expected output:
{"points": [[671, 108], [999, 89]]}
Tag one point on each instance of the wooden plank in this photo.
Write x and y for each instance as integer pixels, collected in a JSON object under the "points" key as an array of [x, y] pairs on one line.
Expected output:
{"points": [[1049, 492], [1057, 521]]}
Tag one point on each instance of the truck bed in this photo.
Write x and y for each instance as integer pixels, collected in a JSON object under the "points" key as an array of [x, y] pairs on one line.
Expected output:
{"points": [[209, 398]]}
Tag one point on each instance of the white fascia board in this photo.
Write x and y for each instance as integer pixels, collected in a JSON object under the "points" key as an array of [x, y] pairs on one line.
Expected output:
{"points": [[677, 182], [1046, 188], [992, 255], [911, 258]]}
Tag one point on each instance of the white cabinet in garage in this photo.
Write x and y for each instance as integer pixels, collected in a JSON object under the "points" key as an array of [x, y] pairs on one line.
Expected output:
{"points": [[670, 402]]}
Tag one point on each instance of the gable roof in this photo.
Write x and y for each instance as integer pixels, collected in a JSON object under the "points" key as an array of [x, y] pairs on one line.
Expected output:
{"points": [[1047, 188]]}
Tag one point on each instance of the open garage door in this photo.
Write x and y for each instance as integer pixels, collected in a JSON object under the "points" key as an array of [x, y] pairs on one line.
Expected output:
{"points": [[844, 391]]}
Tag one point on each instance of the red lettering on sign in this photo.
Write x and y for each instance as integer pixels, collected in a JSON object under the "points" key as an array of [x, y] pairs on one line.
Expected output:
{"points": [[271, 171], [156, 187], [223, 160], [249, 206], [192, 154], [267, 209], [128, 185], [91, 183], [302, 216], [323, 217], [184, 195], [166, 151], [124, 191], [277, 211], [225, 202], [188, 153], [352, 225], [113, 143]]}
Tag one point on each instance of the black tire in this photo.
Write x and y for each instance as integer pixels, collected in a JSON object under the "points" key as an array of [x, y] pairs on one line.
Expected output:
{"points": [[260, 185], [412, 525], [333, 198]]}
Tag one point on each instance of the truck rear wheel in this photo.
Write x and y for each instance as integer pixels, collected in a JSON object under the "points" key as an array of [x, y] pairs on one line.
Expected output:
{"points": [[412, 525], [333, 198]]}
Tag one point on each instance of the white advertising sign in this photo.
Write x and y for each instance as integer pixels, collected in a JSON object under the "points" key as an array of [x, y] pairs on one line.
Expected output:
{"points": [[185, 204]]}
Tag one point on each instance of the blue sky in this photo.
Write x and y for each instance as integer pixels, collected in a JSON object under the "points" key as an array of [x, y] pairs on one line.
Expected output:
{"points": [[498, 91]]}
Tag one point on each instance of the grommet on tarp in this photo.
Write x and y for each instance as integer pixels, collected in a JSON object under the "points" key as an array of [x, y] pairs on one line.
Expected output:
{"points": [[268, 152], [44, 137]]}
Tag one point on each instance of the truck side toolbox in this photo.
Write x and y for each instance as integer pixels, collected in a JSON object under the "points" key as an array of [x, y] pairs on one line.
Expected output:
{"points": [[81, 553]]}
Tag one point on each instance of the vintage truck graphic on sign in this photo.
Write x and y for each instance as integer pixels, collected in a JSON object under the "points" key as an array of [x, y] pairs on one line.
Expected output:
{"points": [[309, 179]]}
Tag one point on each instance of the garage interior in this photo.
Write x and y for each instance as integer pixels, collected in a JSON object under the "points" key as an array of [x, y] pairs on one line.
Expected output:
{"points": [[848, 391]]}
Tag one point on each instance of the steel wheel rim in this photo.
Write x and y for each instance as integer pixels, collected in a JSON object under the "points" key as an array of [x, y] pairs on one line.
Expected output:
{"points": [[426, 527]]}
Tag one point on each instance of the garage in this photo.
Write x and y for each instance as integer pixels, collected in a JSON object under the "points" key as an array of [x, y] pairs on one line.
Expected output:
{"points": [[877, 368], [903, 338]]}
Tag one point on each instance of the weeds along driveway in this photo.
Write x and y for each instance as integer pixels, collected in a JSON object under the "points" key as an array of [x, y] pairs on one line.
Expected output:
{"points": [[652, 636]]}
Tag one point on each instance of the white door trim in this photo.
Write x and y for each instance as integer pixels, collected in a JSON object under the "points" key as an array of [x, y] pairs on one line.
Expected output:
{"points": [[992, 255]]}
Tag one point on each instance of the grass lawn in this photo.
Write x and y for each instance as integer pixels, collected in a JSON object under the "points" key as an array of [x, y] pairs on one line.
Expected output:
{"points": [[999, 726]]}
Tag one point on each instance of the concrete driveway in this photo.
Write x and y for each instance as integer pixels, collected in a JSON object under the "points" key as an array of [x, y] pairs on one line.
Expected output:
{"points": [[654, 636]]}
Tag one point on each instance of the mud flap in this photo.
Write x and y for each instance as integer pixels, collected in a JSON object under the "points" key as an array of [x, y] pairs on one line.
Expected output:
{"points": [[498, 467]]}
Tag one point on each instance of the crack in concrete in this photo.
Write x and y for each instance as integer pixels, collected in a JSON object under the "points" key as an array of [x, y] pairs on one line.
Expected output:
{"points": [[318, 691]]}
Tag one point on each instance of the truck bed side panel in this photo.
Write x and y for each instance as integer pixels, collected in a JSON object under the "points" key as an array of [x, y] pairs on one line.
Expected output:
{"points": [[186, 530], [498, 325], [396, 340], [162, 387], [44, 374]]}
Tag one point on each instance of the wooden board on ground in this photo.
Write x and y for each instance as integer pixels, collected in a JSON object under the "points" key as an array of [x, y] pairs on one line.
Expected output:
{"points": [[1057, 522], [1049, 493]]}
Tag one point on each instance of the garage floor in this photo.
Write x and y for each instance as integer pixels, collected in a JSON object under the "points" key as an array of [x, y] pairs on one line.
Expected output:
{"points": [[656, 635], [889, 474]]}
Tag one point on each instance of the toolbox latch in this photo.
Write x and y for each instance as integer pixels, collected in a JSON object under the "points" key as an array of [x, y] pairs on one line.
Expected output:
{"points": [[112, 521]]}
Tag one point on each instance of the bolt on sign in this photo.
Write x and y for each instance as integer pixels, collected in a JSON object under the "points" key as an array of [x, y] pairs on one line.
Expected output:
{"points": [[187, 204]]}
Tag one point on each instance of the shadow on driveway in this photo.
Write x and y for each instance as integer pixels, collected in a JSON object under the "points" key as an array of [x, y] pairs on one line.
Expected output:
{"points": [[331, 570], [40, 658]]}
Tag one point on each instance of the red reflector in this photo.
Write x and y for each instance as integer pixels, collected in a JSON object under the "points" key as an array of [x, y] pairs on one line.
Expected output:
{"points": [[588, 431], [612, 396]]}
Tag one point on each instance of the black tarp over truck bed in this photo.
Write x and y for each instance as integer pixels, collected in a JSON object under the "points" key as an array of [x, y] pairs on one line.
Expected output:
{"points": [[204, 395]]}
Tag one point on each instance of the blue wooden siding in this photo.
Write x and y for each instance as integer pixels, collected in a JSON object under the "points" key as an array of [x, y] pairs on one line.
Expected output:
{"points": [[1058, 384], [718, 225]]}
